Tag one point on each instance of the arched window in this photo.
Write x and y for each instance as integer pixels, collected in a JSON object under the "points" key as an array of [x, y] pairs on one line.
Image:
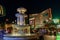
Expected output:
{"points": [[2, 11]]}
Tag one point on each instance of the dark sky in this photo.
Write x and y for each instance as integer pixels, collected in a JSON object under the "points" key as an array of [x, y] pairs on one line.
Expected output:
{"points": [[33, 6]]}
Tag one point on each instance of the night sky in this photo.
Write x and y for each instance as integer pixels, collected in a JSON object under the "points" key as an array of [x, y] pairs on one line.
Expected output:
{"points": [[32, 6]]}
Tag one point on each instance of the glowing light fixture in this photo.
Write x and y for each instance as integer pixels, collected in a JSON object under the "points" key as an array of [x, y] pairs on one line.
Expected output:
{"points": [[56, 20]]}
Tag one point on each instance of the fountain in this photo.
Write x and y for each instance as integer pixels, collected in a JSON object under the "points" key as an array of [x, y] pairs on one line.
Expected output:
{"points": [[21, 27], [20, 31]]}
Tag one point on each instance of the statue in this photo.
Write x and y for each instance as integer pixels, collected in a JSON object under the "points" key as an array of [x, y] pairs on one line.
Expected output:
{"points": [[21, 16]]}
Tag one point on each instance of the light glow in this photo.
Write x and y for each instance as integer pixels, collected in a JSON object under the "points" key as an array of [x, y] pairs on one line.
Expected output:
{"points": [[56, 20]]}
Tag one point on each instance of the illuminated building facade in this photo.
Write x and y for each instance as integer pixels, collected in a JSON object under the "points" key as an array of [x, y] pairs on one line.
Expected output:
{"points": [[41, 17], [46, 16]]}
